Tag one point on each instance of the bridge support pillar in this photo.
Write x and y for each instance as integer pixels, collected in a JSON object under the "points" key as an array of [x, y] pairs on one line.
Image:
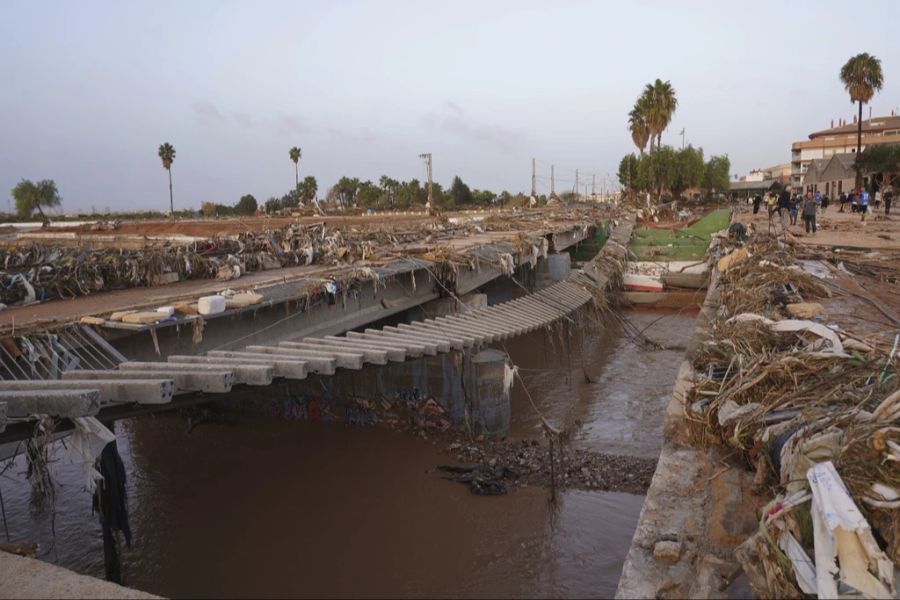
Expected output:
{"points": [[471, 388], [488, 381]]}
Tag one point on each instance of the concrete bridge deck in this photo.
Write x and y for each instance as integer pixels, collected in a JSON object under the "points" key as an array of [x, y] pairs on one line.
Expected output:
{"points": [[113, 385]]}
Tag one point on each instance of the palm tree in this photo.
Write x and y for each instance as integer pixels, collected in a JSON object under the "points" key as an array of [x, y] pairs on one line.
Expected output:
{"points": [[296, 153], [637, 124], [661, 103], [862, 77], [657, 103], [167, 156]]}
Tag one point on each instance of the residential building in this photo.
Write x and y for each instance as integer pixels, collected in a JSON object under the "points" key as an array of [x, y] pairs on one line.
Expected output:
{"points": [[780, 173], [830, 176], [840, 139]]}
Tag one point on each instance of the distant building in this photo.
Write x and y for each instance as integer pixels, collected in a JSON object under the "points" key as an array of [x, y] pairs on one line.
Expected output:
{"points": [[780, 173], [748, 189], [830, 176], [754, 175], [840, 139]]}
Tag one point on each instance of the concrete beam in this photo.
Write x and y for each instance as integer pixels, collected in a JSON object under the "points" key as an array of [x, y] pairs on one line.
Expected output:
{"points": [[414, 348], [346, 358], [394, 353], [480, 336], [486, 328], [419, 326], [286, 369], [394, 349], [500, 329], [211, 382], [248, 374], [429, 347], [456, 343], [141, 391], [484, 318], [322, 367], [3, 411], [539, 305], [319, 362], [57, 403]]}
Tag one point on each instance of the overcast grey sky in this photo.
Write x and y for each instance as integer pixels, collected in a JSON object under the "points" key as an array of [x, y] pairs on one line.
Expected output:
{"points": [[88, 90]]}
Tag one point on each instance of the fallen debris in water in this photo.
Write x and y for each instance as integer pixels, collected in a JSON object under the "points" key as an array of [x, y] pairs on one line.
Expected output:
{"points": [[527, 462]]}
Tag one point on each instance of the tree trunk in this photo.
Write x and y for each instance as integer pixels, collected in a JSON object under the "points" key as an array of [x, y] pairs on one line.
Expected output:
{"points": [[296, 176], [171, 197], [45, 222], [858, 147]]}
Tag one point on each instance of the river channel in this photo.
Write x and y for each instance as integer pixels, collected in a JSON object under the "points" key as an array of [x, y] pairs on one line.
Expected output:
{"points": [[263, 507]]}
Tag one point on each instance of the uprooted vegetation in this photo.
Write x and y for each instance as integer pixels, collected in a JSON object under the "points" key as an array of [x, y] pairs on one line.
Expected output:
{"points": [[813, 407]]}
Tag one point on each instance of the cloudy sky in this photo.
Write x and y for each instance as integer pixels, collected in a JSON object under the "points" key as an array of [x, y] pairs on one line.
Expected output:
{"points": [[88, 90]]}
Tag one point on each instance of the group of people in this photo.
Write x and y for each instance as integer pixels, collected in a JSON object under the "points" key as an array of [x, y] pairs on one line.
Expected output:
{"points": [[788, 206], [859, 200]]}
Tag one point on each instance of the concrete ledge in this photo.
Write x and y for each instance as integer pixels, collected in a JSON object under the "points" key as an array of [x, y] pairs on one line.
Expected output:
{"points": [[58, 403], [29, 578]]}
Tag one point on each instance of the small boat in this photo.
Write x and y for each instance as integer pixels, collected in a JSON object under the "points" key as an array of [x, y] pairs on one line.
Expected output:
{"points": [[641, 283]]}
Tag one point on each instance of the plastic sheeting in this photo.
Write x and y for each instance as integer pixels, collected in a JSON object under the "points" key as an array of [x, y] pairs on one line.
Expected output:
{"points": [[85, 446], [841, 532]]}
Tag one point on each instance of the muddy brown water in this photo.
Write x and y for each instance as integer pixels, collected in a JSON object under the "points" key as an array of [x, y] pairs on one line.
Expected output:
{"points": [[264, 507]]}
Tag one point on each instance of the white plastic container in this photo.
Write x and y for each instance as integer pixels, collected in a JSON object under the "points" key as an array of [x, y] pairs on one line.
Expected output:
{"points": [[166, 311], [211, 305]]}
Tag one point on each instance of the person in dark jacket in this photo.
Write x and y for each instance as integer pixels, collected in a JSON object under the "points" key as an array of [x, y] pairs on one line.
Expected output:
{"points": [[784, 207], [809, 213], [888, 200], [843, 201], [757, 200]]}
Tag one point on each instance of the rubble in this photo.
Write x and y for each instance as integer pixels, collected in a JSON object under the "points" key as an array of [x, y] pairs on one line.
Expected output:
{"points": [[803, 398], [35, 271]]}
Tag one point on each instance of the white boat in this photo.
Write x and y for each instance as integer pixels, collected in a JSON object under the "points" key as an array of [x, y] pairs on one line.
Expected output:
{"points": [[641, 283]]}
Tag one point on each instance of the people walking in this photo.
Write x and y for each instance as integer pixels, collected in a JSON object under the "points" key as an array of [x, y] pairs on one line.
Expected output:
{"points": [[757, 200], [795, 208], [863, 204], [843, 200], [809, 213], [784, 207], [888, 200]]}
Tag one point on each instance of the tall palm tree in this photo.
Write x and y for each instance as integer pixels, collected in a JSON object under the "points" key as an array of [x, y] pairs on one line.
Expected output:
{"points": [[296, 153], [167, 156], [661, 105], [862, 77], [658, 102], [637, 124]]}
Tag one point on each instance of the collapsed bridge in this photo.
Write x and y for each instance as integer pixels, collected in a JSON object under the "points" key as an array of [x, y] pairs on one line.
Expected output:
{"points": [[102, 382]]}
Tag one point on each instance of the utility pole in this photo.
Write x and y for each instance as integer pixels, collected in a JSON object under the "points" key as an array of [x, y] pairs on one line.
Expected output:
{"points": [[552, 182], [429, 206], [533, 180], [576, 184], [682, 138], [593, 185]]}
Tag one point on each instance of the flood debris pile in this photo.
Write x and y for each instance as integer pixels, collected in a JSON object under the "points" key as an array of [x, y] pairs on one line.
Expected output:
{"points": [[813, 406], [494, 466], [35, 271]]}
